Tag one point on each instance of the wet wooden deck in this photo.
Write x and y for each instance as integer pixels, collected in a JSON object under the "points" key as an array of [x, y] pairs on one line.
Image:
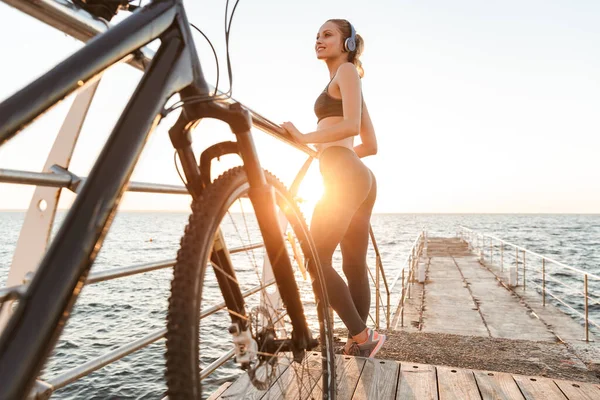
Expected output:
{"points": [[362, 379]]}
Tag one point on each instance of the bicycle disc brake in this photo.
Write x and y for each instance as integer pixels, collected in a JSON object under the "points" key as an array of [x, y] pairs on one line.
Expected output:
{"points": [[262, 371]]}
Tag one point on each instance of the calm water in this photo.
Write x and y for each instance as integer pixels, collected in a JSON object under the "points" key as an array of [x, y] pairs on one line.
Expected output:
{"points": [[110, 314]]}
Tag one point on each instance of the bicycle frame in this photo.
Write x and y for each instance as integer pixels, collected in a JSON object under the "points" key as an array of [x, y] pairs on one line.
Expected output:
{"points": [[44, 309]]}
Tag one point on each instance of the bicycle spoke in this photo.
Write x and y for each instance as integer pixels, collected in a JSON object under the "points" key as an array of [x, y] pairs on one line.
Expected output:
{"points": [[269, 323]]}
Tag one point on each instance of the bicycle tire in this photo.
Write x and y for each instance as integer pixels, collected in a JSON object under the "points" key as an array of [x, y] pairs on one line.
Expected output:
{"points": [[185, 303]]}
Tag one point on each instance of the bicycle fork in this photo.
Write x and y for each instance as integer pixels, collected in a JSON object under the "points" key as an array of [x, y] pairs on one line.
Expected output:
{"points": [[262, 196]]}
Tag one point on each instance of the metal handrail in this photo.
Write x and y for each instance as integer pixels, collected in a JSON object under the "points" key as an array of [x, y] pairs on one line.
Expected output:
{"points": [[545, 276], [406, 261], [533, 253], [67, 180], [574, 291], [411, 261], [137, 269], [379, 271], [378, 301], [212, 367], [568, 306], [87, 368], [83, 370], [14, 292]]}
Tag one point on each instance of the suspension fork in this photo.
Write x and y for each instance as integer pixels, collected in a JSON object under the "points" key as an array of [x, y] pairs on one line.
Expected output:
{"points": [[223, 268], [262, 197]]}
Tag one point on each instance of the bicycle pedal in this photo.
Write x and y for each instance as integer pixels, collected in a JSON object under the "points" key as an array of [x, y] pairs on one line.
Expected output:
{"points": [[312, 344]]}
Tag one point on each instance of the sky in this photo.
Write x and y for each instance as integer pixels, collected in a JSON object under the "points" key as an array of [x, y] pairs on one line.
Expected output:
{"points": [[478, 106]]}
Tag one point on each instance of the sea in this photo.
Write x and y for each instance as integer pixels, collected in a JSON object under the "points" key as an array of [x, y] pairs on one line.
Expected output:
{"points": [[111, 314]]}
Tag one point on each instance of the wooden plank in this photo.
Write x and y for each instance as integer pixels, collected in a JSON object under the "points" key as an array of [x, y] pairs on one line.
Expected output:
{"points": [[456, 384], [243, 388], [417, 381], [347, 370], [299, 380], [534, 387], [579, 390], [497, 386], [378, 380], [217, 393]]}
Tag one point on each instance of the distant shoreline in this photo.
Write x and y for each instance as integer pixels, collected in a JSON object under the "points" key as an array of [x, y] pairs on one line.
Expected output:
{"points": [[375, 213]]}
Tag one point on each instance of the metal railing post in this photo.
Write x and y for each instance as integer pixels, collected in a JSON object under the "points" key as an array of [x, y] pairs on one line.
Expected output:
{"points": [[380, 274], [524, 271], [377, 296], [585, 291], [410, 277], [544, 282], [402, 301], [388, 312], [517, 265]]}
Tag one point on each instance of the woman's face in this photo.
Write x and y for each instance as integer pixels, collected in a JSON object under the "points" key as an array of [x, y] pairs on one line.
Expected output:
{"points": [[329, 41]]}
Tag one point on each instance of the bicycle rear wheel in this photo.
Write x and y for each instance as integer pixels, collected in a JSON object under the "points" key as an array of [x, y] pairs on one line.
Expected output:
{"points": [[197, 328]]}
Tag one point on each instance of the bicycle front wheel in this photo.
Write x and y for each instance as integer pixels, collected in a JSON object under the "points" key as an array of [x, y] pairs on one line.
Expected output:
{"points": [[198, 341]]}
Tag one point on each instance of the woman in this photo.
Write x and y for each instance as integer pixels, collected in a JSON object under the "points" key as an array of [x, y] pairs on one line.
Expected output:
{"points": [[343, 214]]}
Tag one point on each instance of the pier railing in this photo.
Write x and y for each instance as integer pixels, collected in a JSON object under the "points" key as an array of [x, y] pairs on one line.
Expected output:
{"points": [[406, 276], [529, 269], [35, 232], [379, 276]]}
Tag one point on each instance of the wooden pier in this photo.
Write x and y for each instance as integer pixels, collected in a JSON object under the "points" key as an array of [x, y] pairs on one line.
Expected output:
{"points": [[365, 379], [468, 298], [463, 295]]}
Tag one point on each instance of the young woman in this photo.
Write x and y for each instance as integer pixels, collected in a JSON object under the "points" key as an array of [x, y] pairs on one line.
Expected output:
{"points": [[343, 214]]}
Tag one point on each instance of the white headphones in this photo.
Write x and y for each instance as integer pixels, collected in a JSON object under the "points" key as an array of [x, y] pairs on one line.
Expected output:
{"points": [[350, 43]]}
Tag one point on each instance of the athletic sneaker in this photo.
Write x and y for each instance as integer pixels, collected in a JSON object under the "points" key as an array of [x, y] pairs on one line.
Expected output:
{"points": [[372, 345], [353, 351]]}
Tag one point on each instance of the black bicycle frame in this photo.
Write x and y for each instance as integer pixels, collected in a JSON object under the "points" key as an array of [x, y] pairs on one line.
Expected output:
{"points": [[44, 309]]}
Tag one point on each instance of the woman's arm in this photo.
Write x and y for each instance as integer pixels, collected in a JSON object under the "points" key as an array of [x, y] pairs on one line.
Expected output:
{"points": [[368, 147], [349, 82]]}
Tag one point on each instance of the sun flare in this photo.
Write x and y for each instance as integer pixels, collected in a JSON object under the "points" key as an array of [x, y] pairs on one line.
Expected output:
{"points": [[310, 193]]}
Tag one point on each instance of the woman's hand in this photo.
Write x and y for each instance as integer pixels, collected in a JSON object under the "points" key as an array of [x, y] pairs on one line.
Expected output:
{"points": [[294, 132]]}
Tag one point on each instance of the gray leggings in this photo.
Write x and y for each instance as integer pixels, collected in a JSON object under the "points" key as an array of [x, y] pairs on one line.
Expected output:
{"points": [[342, 216]]}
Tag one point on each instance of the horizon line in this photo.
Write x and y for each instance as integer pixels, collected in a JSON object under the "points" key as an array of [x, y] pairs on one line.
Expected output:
{"points": [[374, 213]]}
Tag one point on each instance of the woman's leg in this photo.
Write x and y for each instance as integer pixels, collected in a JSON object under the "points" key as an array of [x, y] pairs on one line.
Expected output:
{"points": [[354, 247], [327, 228]]}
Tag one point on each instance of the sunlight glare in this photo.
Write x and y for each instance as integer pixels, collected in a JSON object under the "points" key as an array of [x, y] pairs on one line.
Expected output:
{"points": [[310, 192]]}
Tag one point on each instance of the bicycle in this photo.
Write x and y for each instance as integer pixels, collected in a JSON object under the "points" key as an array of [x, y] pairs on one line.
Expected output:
{"points": [[269, 337]]}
